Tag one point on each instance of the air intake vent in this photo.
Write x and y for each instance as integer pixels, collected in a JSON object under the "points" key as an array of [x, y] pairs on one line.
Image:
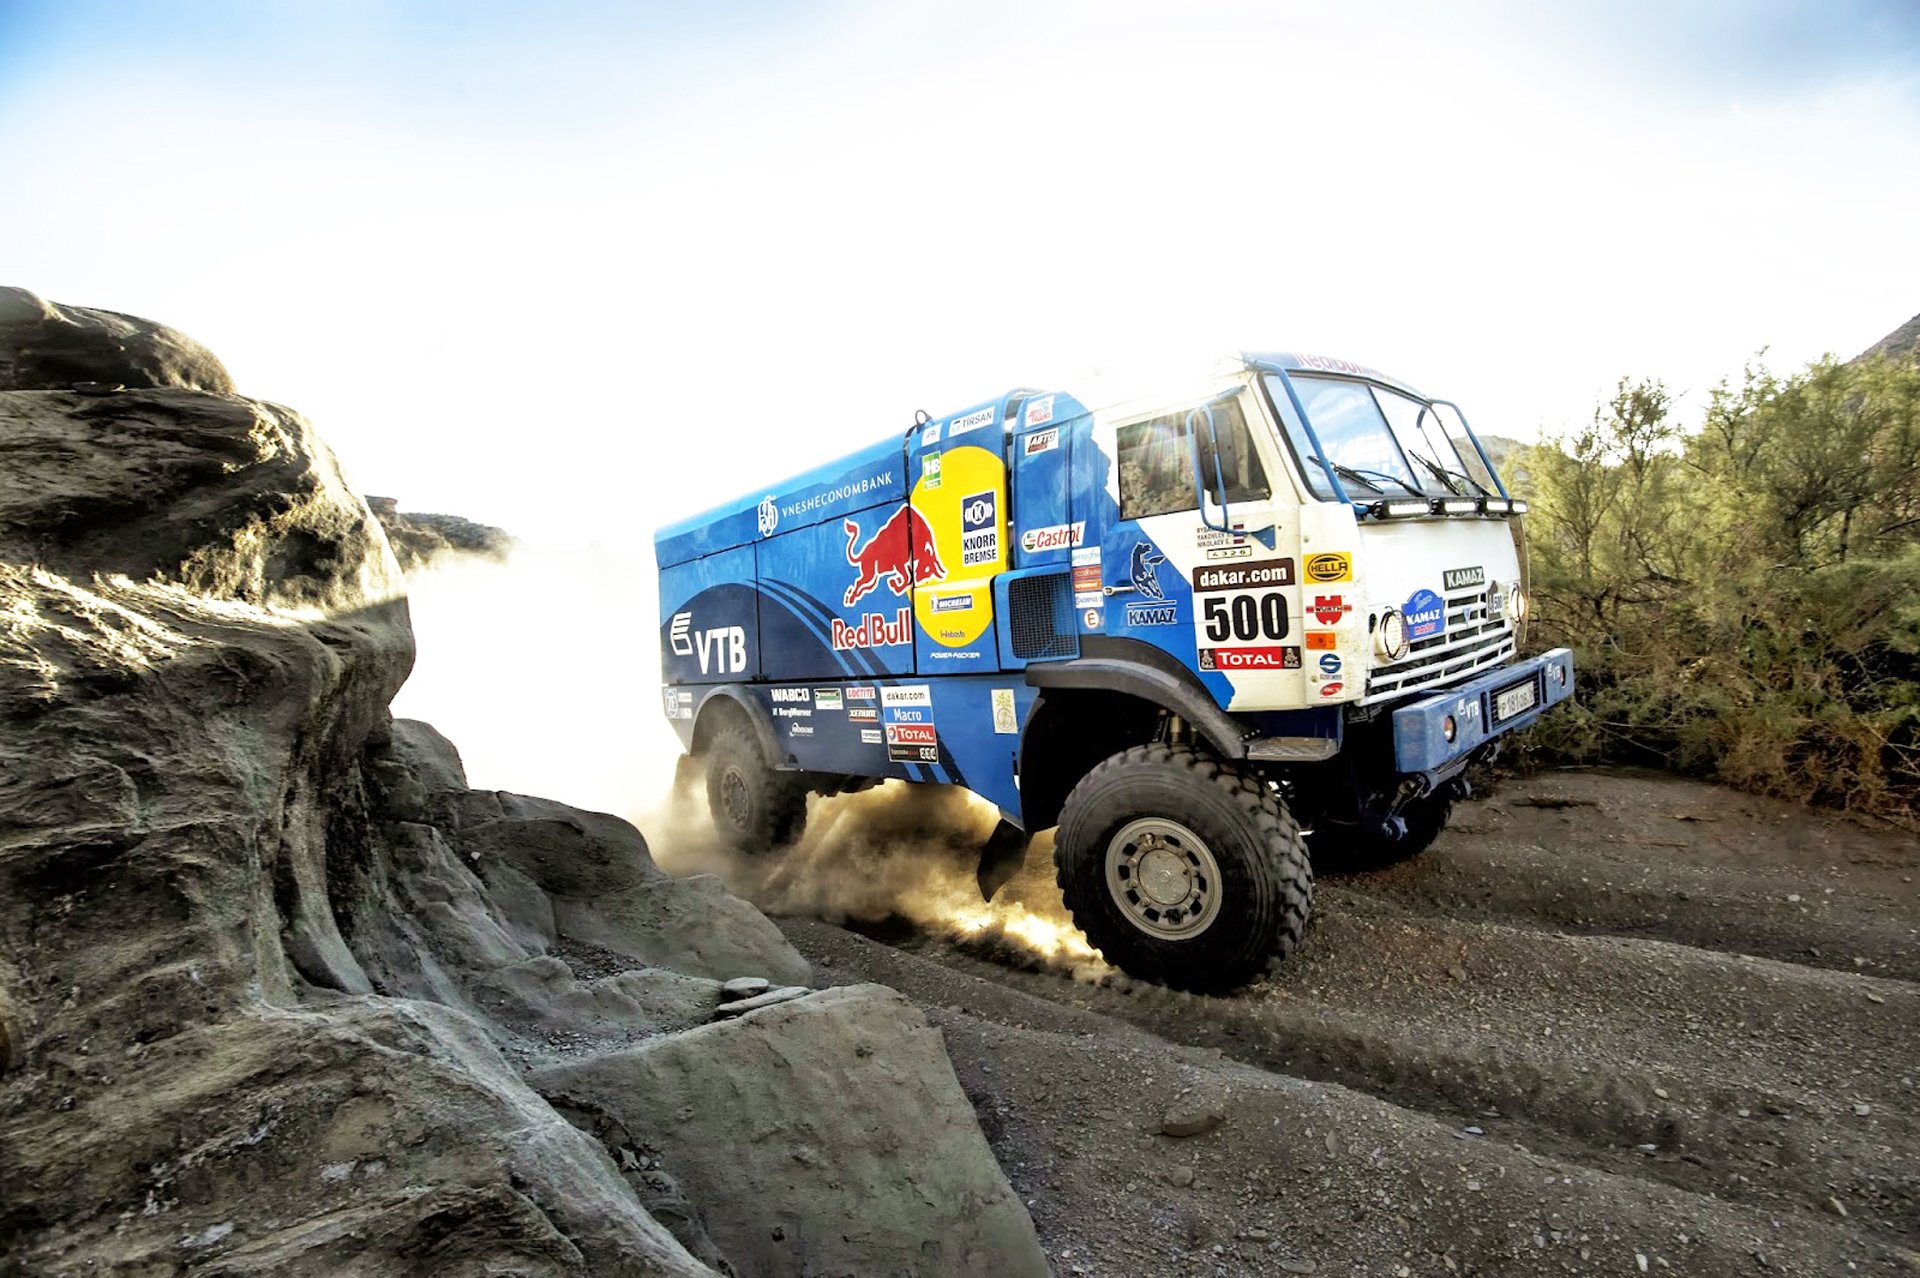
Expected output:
{"points": [[1041, 614]]}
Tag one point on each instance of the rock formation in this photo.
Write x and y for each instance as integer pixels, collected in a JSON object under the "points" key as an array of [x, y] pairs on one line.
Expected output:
{"points": [[418, 537], [1902, 344], [280, 994]]}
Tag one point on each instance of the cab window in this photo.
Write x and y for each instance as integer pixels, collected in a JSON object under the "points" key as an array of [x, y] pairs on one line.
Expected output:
{"points": [[1156, 462]]}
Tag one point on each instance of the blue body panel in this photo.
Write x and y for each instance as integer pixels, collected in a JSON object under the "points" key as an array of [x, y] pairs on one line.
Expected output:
{"points": [[821, 495], [1419, 730]]}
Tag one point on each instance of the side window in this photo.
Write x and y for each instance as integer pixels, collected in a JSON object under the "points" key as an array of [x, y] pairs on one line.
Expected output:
{"points": [[1156, 462]]}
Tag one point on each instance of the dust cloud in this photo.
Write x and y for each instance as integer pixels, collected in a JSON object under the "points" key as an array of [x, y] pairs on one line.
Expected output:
{"points": [[544, 670]]}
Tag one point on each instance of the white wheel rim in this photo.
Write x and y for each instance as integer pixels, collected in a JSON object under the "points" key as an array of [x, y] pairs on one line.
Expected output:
{"points": [[1164, 878]]}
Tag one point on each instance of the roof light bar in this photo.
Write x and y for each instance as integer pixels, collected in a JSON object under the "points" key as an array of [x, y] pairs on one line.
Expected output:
{"points": [[1496, 505], [1519, 507], [1400, 509], [1460, 506]]}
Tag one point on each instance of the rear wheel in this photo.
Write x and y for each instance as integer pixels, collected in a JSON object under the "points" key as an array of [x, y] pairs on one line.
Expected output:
{"points": [[755, 808], [1183, 870]]}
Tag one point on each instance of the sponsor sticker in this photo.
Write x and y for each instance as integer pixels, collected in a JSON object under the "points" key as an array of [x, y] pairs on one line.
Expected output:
{"points": [[791, 696], [1322, 640], [930, 473], [1426, 614], [1461, 578], [1040, 411], [953, 603], [971, 421], [930, 435], [912, 743], [1329, 566], [1261, 658], [826, 698], [874, 631], [980, 528], [1159, 614], [1329, 663], [902, 553], [1247, 576], [1092, 617], [679, 702], [1041, 441], [1004, 722], [870, 736], [767, 517], [1331, 689], [1086, 577], [862, 714], [860, 692], [1089, 599], [799, 729], [907, 694], [1328, 609], [1214, 544], [1053, 537]]}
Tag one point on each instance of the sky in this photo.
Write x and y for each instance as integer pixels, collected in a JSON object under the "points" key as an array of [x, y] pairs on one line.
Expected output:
{"points": [[580, 269]]}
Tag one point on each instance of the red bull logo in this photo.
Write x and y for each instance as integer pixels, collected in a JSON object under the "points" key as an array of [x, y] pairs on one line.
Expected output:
{"points": [[901, 552]]}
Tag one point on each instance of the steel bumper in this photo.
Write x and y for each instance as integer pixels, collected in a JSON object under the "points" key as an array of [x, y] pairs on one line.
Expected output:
{"points": [[1478, 711]]}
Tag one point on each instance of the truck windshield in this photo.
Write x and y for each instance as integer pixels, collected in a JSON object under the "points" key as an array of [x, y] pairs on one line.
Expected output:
{"points": [[1379, 440]]}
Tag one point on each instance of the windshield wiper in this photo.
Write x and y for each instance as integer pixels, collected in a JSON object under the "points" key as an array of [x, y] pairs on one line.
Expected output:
{"points": [[1448, 476], [1368, 476]]}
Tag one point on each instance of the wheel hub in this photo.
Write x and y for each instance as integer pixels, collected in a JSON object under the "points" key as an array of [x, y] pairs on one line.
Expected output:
{"points": [[1163, 877], [733, 797]]}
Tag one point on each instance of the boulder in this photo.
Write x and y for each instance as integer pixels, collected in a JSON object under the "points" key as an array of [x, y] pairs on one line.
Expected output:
{"points": [[816, 1134], [44, 346]]}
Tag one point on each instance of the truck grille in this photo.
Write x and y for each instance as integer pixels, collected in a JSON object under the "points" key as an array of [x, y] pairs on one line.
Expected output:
{"points": [[1472, 642], [1041, 616]]}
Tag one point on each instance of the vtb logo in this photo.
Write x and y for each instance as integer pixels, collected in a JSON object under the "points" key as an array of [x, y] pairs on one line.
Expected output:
{"points": [[901, 551], [721, 649]]}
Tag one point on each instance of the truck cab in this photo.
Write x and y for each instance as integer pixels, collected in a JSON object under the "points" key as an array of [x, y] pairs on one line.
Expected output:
{"points": [[1211, 637]]}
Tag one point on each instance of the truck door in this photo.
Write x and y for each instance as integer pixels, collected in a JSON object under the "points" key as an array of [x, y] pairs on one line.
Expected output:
{"points": [[960, 500]]}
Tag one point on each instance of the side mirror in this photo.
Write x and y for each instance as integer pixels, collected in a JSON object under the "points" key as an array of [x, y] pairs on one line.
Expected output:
{"points": [[1208, 480]]}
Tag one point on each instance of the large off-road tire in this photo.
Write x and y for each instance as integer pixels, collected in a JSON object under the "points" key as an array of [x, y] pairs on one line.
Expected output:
{"points": [[755, 809], [1183, 870], [1346, 847]]}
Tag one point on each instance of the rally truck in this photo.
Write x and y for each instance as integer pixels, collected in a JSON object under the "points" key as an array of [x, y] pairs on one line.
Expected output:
{"points": [[1210, 638]]}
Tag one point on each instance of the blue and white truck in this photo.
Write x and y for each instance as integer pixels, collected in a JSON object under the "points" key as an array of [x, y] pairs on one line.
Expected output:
{"points": [[1208, 638]]}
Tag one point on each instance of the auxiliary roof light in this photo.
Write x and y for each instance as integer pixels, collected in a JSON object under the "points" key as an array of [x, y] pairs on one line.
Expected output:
{"points": [[1519, 507], [1496, 505], [1389, 509], [1460, 506]]}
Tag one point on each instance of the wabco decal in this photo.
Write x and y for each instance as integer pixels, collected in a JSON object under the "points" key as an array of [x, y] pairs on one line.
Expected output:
{"points": [[1053, 537], [901, 551], [1426, 614], [791, 696], [1461, 578], [1329, 567]]}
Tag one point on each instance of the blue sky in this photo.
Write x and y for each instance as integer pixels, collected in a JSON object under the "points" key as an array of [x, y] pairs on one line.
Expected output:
{"points": [[579, 269]]}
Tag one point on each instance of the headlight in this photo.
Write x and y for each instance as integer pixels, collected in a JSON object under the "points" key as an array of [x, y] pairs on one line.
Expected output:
{"points": [[1390, 636], [1517, 604]]}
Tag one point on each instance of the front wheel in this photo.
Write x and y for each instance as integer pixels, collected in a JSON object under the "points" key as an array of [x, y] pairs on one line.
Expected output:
{"points": [[1182, 870]]}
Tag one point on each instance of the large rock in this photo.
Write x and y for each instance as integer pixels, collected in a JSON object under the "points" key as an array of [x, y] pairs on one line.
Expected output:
{"points": [[272, 976], [44, 346], [819, 1132]]}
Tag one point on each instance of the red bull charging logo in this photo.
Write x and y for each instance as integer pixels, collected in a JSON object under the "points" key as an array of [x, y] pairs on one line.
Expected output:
{"points": [[901, 552]]}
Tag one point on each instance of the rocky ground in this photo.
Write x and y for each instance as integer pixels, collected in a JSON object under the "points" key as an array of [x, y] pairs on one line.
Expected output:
{"points": [[1609, 1024]]}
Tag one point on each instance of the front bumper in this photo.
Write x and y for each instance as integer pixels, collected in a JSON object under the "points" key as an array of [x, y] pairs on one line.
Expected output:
{"points": [[1420, 741]]}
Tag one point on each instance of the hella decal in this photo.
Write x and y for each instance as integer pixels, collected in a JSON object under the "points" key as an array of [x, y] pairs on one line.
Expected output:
{"points": [[1329, 567]]}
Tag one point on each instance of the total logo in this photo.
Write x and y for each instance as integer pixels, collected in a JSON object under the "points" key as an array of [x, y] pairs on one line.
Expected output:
{"points": [[768, 515], [1228, 659], [901, 552]]}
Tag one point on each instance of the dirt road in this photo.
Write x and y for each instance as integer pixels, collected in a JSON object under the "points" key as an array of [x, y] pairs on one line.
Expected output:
{"points": [[1609, 1024]]}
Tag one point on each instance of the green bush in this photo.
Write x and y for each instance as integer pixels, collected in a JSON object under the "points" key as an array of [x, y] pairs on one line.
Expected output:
{"points": [[1743, 599]]}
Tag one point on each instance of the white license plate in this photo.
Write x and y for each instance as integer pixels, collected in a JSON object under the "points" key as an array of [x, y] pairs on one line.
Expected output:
{"points": [[1515, 700]]}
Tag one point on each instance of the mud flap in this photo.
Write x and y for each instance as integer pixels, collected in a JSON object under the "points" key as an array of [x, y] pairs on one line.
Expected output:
{"points": [[1001, 857]]}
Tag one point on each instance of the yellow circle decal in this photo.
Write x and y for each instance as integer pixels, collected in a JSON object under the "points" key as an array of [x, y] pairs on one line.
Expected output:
{"points": [[966, 511]]}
